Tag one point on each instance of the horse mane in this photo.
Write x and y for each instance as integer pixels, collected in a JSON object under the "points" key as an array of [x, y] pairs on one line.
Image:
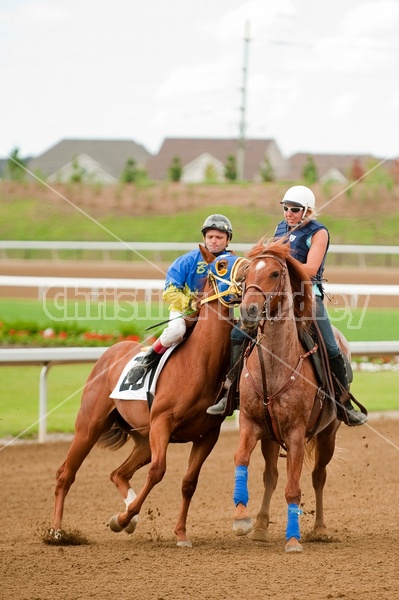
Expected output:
{"points": [[300, 282]]}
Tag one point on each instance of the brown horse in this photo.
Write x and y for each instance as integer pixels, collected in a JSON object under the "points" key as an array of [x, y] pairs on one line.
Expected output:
{"points": [[187, 386], [281, 403]]}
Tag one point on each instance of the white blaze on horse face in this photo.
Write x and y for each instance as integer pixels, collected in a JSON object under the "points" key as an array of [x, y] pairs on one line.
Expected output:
{"points": [[260, 265]]}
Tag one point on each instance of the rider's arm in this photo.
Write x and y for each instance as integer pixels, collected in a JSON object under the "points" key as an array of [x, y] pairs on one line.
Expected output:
{"points": [[316, 252], [179, 299]]}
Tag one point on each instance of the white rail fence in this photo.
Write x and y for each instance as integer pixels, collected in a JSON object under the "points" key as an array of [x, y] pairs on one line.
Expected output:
{"points": [[46, 357], [152, 286], [156, 248]]}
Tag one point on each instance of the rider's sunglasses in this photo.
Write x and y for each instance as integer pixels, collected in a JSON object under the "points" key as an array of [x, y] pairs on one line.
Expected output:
{"points": [[293, 209]]}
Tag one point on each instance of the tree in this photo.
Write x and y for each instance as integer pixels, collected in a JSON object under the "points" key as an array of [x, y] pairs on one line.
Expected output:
{"points": [[78, 172], [230, 168], [175, 170], [266, 170], [15, 168], [130, 171], [309, 172], [357, 170]]}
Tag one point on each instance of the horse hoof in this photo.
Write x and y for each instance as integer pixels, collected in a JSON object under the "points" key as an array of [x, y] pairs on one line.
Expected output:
{"points": [[114, 525], [293, 547], [185, 544], [242, 526], [259, 535], [132, 525]]}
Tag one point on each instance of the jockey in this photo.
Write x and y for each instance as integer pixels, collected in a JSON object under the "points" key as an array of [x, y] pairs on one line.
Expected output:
{"points": [[309, 241], [185, 279]]}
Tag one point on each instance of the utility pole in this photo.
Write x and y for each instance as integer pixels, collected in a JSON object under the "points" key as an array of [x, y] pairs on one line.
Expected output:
{"points": [[241, 140]]}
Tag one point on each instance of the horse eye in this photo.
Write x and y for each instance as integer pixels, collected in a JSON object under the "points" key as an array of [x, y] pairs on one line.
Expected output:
{"points": [[275, 275]]}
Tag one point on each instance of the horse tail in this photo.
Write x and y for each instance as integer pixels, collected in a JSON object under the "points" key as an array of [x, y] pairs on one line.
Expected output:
{"points": [[309, 452], [116, 436]]}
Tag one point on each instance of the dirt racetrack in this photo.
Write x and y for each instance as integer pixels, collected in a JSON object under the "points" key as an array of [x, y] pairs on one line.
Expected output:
{"points": [[359, 563]]}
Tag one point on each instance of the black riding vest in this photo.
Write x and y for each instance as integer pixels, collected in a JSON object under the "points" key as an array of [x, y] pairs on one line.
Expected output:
{"points": [[298, 246]]}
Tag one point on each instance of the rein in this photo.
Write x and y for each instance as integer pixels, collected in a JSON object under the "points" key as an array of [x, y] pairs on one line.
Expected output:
{"points": [[267, 399]]}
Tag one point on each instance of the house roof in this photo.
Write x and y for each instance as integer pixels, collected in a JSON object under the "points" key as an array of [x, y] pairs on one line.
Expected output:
{"points": [[110, 154], [325, 162], [188, 149]]}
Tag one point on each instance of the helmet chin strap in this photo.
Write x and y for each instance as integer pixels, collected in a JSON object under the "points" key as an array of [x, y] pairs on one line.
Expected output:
{"points": [[303, 217]]}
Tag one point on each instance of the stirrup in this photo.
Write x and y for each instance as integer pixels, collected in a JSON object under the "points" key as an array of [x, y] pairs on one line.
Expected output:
{"points": [[354, 417], [219, 408]]}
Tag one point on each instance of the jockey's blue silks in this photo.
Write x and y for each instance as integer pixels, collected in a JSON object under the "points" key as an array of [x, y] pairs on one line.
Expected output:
{"points": [[293, 522], [241, 495]]}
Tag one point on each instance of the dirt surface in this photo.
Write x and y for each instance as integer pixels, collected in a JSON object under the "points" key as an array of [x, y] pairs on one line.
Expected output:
{"points": [[361, 501]]}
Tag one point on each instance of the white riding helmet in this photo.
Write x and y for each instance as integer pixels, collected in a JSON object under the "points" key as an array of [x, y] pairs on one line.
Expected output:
{"points": [[300, 195]]}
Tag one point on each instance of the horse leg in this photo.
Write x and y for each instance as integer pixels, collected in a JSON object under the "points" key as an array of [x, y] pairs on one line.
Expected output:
{"points": [[199, 453], [324, 451], [295, 455], [139, 457], [159, 440], [86, 435], [242, 523], [270, 452]]}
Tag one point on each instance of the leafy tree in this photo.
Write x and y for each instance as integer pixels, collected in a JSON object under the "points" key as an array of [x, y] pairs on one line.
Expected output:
{"points": [[357, 170], [15, 167], [78, 172], [175, 170], [309, 172], [130, 171], [266, 170], [210, 174], [230, 168]]}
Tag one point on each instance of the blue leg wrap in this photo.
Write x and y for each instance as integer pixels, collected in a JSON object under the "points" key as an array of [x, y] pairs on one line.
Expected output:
{"points": [[293, 522], [240, 495]]}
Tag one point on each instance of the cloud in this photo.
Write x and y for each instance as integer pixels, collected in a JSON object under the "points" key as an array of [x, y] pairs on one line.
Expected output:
{"points": [[372, 18], [261, 15]]}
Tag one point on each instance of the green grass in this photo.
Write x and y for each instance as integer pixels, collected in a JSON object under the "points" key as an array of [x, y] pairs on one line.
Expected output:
{"points": [[371, 324], [53, 219], [378, 391]]}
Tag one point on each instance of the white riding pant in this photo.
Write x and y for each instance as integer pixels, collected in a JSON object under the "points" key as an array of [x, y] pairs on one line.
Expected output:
{"points": [[175, 331]]}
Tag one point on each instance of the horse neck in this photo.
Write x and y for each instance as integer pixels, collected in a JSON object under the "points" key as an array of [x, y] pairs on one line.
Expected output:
{"points": [[211, 334]]}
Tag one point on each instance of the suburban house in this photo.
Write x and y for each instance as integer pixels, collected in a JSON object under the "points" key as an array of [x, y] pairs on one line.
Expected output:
{"points": [[98, 161], [337, 168], [198, 155]]}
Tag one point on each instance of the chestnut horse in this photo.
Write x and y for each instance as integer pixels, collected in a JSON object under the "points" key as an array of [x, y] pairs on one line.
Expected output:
{"points": [[281, 403], [187, 386]]}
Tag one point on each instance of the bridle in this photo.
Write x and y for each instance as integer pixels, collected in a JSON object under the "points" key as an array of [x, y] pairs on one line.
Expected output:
{"points": [[280, 286], [234, 289]]}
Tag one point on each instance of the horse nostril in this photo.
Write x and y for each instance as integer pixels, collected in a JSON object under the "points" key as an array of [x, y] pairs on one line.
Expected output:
{"points": [[253, 310], [250, 312]]}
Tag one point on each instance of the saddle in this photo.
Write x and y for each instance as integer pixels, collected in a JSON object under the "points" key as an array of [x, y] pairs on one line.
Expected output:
{"points": [[329, 384]]}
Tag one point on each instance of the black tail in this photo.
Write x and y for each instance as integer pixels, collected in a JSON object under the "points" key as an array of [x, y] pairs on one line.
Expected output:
{"points": [[116, 436]]}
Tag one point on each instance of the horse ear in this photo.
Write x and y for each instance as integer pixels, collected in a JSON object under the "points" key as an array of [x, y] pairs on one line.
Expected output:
{"points": [[206, 255]]}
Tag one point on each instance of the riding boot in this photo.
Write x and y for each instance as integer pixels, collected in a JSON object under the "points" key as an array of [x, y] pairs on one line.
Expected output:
{"points": [[342, 396], [220, 407], [150, 359]]}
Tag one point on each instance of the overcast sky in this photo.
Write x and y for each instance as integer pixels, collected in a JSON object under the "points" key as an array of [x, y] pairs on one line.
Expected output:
{"points": [[322, 75]]}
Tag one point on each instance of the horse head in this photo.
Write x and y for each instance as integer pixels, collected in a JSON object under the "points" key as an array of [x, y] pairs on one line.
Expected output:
{"points": [[276, 286], [225, 277]]}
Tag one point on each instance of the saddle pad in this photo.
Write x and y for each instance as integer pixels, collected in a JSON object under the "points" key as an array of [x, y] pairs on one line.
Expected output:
{"points": [[141, 393]]}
